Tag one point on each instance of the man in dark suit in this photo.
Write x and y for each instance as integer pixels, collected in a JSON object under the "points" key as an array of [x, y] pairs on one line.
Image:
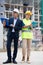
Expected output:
{"points": [[15, 25]]}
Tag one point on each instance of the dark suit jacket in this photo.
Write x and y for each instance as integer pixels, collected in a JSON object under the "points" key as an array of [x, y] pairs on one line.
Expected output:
{"points": [[17, 28]]}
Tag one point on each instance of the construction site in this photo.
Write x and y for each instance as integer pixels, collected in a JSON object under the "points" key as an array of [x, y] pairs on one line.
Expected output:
{"points": [[36, 6], [6, 11]]}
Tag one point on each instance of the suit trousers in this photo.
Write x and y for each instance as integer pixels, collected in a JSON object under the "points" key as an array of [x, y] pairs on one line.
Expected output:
{"points": [[9, 40]]}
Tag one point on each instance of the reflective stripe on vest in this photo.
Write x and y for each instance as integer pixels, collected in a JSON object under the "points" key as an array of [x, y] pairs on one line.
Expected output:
{"points": [[26, 30]]}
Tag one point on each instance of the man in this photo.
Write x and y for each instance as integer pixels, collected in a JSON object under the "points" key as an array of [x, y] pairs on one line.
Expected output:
{"points": [[15, 25], [27, 36]]}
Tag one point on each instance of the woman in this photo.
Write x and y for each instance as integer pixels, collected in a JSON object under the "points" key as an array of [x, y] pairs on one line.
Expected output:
{"points": [[27, 35]]}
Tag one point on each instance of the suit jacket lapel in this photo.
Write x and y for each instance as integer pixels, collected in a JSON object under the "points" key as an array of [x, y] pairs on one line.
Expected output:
{"points": [[13, 20], [16, 22]]}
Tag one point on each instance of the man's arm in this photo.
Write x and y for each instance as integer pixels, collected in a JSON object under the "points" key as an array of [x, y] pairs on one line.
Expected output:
{"points": [[8, 22], [19, 27]]}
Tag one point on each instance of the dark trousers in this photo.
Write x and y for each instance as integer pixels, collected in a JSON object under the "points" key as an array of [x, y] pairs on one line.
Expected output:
{"points": [[9, 40]]}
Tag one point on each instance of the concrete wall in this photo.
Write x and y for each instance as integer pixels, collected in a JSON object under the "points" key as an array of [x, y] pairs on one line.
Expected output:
{"points": [[1, 35]]}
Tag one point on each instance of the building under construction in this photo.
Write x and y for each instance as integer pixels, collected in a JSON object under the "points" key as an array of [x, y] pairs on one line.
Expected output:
{"points": [[36, 6], [7, 6]]}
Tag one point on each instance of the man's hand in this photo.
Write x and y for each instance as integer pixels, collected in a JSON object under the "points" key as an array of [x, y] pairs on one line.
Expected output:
{"points": [[4, 23], [12, 25]]}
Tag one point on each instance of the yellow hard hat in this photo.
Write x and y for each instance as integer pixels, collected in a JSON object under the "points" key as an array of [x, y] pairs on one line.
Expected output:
{"points": [[28, 12]]}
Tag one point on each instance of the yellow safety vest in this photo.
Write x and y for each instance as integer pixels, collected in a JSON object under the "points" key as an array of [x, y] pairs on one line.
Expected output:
{"points": [[26, 32]]}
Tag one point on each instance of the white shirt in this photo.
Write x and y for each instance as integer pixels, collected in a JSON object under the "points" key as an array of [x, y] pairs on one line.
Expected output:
{"points": [[15, 20]]}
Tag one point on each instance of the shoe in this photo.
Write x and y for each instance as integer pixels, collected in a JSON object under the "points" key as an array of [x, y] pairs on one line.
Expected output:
{"points": [[23, 59], [28, 61], [14, 62], [8, 61]]}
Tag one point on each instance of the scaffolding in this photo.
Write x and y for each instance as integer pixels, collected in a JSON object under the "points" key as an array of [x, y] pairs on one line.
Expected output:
{"points": [[41, 5], [36, 6], [37, 11], [11, 4]]}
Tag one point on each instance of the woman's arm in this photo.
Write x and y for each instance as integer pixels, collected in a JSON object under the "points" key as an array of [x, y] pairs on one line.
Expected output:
{"points": [[28, 26], [25, 26]]}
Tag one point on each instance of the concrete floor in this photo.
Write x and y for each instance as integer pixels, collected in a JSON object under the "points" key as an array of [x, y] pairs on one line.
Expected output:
{"points": [[36, 58]]}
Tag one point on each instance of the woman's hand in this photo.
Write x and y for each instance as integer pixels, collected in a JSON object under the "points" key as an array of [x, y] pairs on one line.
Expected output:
{"points": [[28, 26]]}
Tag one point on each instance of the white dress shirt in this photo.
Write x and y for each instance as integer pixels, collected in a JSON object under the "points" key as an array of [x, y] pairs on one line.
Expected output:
{"points": [[15, 20]]}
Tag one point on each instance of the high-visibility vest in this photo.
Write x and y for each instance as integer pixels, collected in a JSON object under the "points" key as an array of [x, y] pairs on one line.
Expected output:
{"points": [[26, 32]]}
